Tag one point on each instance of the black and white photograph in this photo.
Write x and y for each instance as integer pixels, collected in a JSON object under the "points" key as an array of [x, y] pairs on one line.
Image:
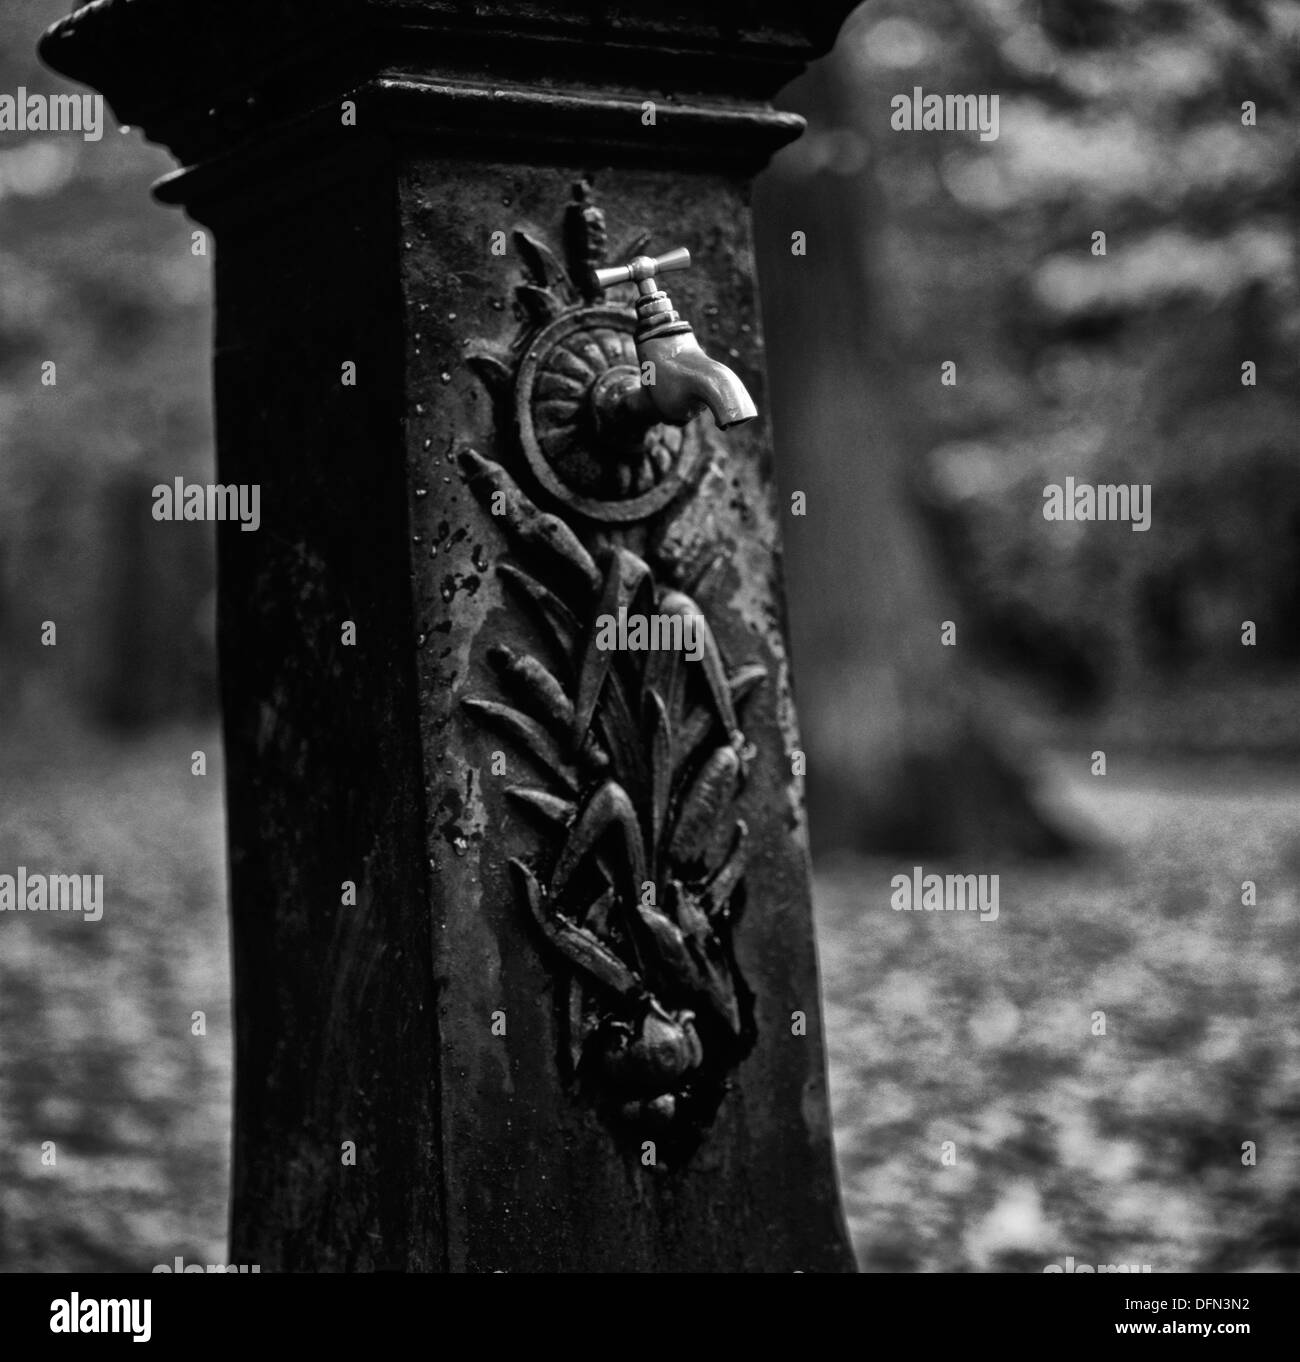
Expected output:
{"points": [[650, 638]]}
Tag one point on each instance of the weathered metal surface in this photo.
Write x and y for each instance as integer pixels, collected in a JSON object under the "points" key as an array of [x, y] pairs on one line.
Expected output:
{"points": [[634, 756], [498, 1074], [751, 1186]]}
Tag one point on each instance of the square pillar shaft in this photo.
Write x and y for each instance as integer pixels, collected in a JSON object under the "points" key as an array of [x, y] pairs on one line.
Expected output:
{"points": [[523, 953]]}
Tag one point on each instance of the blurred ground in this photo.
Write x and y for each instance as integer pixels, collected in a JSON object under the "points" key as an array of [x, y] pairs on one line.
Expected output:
{"points": [[1122, 1148], [138, 1107]]}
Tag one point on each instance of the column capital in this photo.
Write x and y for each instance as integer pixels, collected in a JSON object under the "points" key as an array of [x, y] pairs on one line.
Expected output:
{"points": [[205, 77]]}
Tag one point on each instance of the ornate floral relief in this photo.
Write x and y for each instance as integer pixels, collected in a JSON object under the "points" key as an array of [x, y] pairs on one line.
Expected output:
{"points": [[637, 883]]}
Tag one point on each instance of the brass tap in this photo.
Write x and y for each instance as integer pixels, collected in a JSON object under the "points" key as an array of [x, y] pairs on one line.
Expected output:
{"points": [[676, 379]]}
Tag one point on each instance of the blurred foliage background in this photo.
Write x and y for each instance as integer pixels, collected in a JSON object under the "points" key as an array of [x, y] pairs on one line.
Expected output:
{"points": [[98, 278], [924, 505], [1122, 116]]}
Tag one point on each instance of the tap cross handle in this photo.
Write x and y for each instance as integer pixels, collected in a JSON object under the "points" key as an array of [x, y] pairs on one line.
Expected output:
{"points": [[643, 269]]}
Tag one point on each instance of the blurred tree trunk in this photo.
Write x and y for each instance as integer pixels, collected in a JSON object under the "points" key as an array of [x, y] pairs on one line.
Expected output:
{"points": [[901, 754]]}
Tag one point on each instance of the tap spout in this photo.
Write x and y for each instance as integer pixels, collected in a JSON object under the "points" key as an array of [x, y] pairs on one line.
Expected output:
{"points": [[684, 379], [676, 381]]}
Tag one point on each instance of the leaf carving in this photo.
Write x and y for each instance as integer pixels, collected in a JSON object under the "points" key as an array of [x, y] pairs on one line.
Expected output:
{"points": [[536, 741], [545, 269], [642, 762]]}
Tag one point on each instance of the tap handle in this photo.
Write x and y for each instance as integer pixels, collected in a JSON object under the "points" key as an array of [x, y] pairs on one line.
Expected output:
{"points": [[642, 269]]}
